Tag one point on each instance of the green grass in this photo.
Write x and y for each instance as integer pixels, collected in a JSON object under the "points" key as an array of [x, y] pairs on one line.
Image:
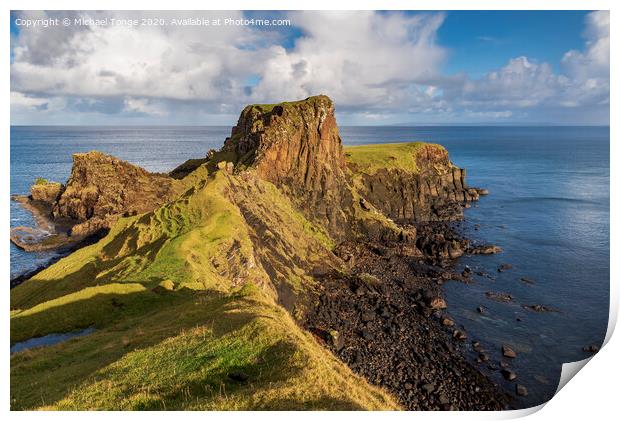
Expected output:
{"points": [[40, 181], [370, 158], [179, 356]]}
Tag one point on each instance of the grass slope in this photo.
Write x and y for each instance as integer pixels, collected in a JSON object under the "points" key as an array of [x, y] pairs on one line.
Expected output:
{"points": [[181, 297], [179, 356]]}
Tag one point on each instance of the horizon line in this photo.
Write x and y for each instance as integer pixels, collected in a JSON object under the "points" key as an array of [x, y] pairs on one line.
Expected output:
{"points": [[339, 125]]}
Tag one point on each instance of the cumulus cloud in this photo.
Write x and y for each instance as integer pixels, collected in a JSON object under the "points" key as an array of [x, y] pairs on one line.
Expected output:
{"points": [[378, 67]]}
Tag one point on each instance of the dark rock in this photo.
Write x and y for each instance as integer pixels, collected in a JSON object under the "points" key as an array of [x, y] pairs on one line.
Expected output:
{"points": [[508, 374], [521, 390], [499, 296], [504, 267], [528, 281], [367, 335], [591, 348], [538, 308]]}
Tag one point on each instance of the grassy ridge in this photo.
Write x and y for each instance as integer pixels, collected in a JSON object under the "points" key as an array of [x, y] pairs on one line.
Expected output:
{"points": [[174, 299]]}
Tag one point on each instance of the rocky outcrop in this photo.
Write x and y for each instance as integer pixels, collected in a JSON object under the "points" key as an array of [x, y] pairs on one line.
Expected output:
{"points": [[45, 191], [102, 187], [297, 147], [434, 192]]}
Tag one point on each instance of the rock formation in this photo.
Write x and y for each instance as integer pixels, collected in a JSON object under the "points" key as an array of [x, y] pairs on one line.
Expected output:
{"points": [[432, 193], [297, 147], [100, 189]]}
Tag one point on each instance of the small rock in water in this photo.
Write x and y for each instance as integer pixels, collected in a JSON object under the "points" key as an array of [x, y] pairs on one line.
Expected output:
{"points": [[480, 309], [521, 390], [499, 296], [591, 348], [504, 267], [508, 374], [238, 376], [527, 281], [538, 308], [508, 352], [541, 379]]}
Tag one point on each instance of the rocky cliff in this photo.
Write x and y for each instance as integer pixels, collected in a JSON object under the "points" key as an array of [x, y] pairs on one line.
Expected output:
{"points": [[416, 182], [297, 147]]}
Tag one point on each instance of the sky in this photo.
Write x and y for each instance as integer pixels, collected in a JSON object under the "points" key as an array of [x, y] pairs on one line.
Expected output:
{"points": [[379, 67]]}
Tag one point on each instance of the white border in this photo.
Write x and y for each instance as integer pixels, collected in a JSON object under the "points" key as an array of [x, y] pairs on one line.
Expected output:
{"points": [[591, 395]]}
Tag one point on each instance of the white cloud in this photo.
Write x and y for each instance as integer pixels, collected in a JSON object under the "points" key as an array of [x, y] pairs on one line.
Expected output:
{"points": [[144, 106], [378, 67], [361, 59]]}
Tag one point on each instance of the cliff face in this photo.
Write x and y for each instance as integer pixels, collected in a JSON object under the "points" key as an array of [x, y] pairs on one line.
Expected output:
{"points": [[102, 187], [430, 190], [297, 147]]}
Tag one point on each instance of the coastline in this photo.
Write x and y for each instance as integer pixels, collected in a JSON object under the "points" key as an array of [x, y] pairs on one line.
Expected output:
{"points": [[409, 263]]}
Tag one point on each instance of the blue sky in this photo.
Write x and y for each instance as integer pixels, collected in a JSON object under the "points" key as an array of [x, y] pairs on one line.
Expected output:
{"points": [[455, 67], [481, 41]]}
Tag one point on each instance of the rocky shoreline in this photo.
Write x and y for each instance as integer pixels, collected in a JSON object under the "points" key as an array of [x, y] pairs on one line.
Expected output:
{"points": [[386, 320]]}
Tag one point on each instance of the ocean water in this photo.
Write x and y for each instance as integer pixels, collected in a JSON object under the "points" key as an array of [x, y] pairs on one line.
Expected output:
{"points": [[548, 208]]}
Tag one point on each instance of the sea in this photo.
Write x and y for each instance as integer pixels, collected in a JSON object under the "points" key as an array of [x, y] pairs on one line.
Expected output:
{"points": [[547, 208]]}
